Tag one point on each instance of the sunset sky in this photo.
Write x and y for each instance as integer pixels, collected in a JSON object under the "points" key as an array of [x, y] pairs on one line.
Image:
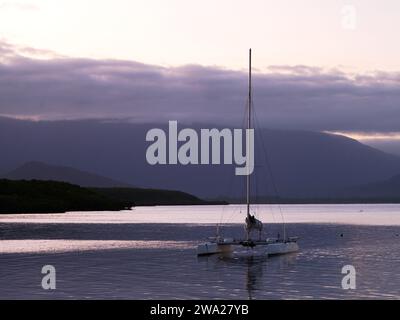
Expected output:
{"points": [[208, 32], [321, 65]]}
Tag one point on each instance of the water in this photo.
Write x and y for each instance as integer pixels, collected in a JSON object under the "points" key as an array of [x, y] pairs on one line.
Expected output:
{"points": [[149, 253]]}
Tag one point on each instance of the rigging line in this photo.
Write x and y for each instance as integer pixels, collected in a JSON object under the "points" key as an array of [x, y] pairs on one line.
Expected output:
{"points": [[275, 189], [232, 176], [255, 190], [252, 120], [230, 193], [257, 212], [272, 181], [258, 181], [244, 115], [243, 126], [221, 221], [255, 120]]}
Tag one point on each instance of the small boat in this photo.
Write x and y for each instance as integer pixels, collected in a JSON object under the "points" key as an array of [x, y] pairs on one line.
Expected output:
{"points": [[271, 246]]}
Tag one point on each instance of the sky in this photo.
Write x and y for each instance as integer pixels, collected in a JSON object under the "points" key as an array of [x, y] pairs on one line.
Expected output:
{"points": [[320, 65], [208, 32]]}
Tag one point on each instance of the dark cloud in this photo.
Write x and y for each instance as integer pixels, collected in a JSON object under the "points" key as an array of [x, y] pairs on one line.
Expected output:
{"points": [[298, 97]]}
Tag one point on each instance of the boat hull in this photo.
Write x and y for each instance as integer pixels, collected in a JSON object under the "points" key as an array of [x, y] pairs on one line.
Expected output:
{"points": [[271, 248], [282, 248], [213, 248]]}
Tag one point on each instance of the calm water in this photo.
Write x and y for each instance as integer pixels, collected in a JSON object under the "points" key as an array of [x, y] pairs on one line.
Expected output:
{"points": [[150, 253]]}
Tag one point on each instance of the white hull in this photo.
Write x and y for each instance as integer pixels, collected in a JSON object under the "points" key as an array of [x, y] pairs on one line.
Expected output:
{"points": [[225, 246], [282, 248], [208, 248]]}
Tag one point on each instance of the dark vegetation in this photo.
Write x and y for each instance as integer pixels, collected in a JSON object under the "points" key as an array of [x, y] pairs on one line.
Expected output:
{"points": [[36, 196]]}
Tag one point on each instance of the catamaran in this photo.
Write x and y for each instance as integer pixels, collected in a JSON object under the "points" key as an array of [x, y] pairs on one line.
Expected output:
{"points": [[272, 246]]}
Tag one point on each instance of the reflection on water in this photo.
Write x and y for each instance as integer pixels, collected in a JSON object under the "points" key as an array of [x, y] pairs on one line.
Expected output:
{"points": [[158, 261], [360, 214], [255, 265], [66, 245]]}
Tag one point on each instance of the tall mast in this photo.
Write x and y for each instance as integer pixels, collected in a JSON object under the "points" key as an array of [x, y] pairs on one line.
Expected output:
{"points": [[248, 135]]}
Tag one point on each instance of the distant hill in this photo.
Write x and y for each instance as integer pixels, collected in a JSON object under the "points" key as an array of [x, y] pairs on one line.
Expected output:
{"points": [[151, 197], [389, 188], [303, 164], [41, 171], [37, 196]]}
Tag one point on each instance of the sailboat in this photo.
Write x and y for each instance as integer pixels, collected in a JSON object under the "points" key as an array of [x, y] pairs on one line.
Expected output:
{"points": [[272, 246]]}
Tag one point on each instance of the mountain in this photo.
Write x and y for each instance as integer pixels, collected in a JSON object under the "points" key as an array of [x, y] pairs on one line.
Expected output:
{"points": [[35, 170], [389, 188], [314, 164], [152, 197], [300, 163]]}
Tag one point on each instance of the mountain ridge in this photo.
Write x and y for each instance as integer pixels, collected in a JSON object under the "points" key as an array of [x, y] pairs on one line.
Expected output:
{"points": [[36, 170], [300, 163]]}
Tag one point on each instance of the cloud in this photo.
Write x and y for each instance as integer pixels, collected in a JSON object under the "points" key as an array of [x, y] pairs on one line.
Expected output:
{"points": [[297, 97], [11, 53], [19, 6]]}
